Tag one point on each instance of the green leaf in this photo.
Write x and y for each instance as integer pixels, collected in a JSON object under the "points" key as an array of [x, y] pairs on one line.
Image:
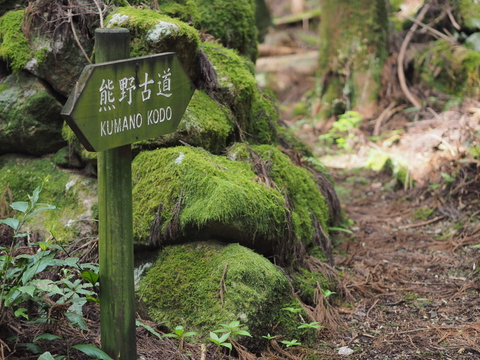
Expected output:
{"points": [[27, 290], [46, 356], [35, 195], [148, 328], [242, 332], [20, 206], [90, 276], [34, 349], [312, 325], [21, 235], [327, 292], [292, 310], [21, 312], [47, 336], [92, 351], [92, 299], [475, 246], [227, 345], [340, 229], [12, 222], [38, 267], [77, 320], [190, 333]]}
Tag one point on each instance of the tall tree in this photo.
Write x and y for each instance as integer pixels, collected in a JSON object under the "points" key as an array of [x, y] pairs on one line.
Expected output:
{"points": [[353, 49]]}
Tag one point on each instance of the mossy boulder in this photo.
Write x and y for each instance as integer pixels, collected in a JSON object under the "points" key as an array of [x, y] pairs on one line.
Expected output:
{"points": [[233, 22], [73, 194], [255, 196], [205, 284], [30, 120], [255, 113], [205, 123], [14, 46], [53, 56], [153, 33]]}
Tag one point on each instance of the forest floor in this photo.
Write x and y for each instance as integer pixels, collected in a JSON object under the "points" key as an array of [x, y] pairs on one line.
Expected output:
{"points": [[409, 272]]}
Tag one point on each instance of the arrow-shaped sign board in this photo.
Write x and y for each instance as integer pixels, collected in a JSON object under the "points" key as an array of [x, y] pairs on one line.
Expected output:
{"points": [[120, 102]]}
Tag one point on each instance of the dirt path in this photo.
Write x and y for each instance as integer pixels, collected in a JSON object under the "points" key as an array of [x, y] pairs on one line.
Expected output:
{"points": [[413, 287]]}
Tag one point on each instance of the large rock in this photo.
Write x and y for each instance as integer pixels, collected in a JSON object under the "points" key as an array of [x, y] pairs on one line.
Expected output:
{"points": [[73, 194], [204, 284], [30, 120], [233, 22], [153, 33], [205, 123], [256, 197], [51, 51]]}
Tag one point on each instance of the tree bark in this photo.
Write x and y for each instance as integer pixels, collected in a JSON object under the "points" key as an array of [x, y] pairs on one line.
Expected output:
{"points": [[353, 49]]}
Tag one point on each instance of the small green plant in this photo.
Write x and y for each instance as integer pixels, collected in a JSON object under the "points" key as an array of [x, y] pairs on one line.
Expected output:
{"points": [[234, 328], [21, 280], [312, 325], [327, 293], [289, 343], [28, 209], [181, 334], [269, 337], [342, 130], [220, 341]]}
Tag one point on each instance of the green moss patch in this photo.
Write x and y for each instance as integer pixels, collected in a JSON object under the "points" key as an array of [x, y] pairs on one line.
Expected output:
{"points": [[153, 33], [202, 285], [469, 12], [255, 196], [206, 123], [307, 211], [233, 22], [184, 190], [14, 46], [254, 111], [73, 195], [452, 69]]}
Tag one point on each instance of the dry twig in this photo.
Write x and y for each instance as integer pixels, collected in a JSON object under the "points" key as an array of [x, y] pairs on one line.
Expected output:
{"points": [[401, 58]]}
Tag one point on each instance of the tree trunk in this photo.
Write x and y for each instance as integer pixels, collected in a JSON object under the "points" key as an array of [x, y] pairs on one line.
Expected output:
{"points": [[353, 49]]}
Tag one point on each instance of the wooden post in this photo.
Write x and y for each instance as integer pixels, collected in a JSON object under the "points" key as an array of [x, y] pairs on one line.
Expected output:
{"points": [[117, 313]]}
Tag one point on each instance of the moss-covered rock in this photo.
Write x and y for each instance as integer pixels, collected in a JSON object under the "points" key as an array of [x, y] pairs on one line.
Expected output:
{"points": [[14, 46], [52, 56], [30, 120], [189, 194], [205, 123], [233, 22], [73, 194], [153, 33], [255, 196], [205, 284], [448, 68], [254, 112]]}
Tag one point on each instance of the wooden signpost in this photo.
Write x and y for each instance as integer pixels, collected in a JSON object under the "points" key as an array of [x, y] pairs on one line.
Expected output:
{"points": [[116, 102]]}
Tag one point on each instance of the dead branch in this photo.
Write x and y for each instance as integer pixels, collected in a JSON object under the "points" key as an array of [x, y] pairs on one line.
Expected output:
{"points": [[383, 116], [401, 58], [432, 30], [422, 223]]}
